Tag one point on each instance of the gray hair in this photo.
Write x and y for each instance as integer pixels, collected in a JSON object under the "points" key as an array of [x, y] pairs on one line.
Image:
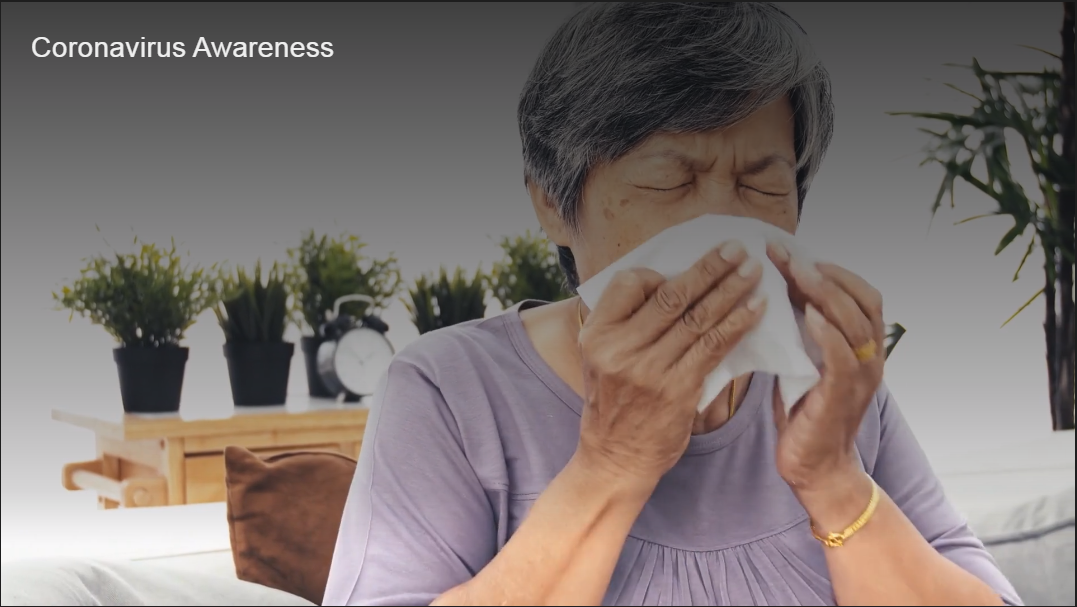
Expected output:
{"points": [[618, 72]]}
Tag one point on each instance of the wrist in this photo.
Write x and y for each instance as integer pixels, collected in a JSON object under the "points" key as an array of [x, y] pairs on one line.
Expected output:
{"points": [[837, 499], [601, 478]]}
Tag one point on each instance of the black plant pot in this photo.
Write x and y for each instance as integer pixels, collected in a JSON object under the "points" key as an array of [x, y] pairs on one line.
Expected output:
{"points": [[151, 379], [259, 372], [316, 387]]}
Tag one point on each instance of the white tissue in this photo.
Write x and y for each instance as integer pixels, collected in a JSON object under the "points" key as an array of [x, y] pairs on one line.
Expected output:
{"points": [[779, 345]]}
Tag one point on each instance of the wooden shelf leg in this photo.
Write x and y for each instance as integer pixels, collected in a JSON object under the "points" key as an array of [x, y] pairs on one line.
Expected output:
{"points": [[176, 472], [110, 468]]}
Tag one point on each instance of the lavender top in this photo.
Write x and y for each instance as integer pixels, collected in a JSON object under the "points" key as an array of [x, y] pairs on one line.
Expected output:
{"points": [[470, 425]]}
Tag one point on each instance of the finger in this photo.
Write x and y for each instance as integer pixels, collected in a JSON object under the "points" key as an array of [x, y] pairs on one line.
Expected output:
{"points": [[841, 382], [838, 358], [627, 292], [867, 297], [713, 346], [780, 256], [675, 296], [792, 265], [830, 299], [705, 314]]}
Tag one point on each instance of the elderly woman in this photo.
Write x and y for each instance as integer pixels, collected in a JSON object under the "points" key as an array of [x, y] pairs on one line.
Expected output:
{"points": [[554, 454]]}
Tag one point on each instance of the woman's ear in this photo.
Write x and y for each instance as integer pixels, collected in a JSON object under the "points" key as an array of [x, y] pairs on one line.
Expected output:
{"points": [[548, 216]]}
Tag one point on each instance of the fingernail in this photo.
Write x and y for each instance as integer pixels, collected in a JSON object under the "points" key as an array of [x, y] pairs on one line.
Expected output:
{"points": [[756, 302], [747, 268], [812, 316], [807, 272], [731, 251]]}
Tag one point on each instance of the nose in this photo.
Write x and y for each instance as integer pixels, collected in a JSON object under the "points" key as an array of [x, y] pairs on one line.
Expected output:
{"points": [[718, 194]]}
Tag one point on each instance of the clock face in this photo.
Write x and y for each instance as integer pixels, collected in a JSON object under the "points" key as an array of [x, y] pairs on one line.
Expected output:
{"points": [[362, 357]]}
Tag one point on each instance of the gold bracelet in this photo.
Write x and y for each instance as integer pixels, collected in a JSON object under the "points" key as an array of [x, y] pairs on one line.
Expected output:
{"points": [[836, 540]]}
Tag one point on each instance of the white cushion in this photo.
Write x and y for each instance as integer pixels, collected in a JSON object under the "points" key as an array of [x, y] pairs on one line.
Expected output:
{"points": [[1033, 544], [94, 582]]}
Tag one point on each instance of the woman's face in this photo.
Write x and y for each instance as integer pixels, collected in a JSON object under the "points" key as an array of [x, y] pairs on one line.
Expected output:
{"points": [[746, 170]]}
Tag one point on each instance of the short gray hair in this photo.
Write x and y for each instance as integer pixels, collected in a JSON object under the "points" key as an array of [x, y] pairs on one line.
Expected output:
{"points": [[618, 72]]}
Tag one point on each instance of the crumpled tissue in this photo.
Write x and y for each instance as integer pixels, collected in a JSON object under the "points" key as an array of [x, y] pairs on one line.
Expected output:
{"points": [[779, 345]]}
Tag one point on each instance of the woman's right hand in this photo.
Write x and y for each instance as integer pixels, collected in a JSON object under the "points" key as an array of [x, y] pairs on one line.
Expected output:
{"points": [[647, 348]]}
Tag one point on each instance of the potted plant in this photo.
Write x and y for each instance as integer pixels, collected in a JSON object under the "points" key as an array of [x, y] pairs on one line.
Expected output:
{"points": [[528, 270], [146, 300], [442, 301], [324, 269], [253, 315], [1039, 108]]}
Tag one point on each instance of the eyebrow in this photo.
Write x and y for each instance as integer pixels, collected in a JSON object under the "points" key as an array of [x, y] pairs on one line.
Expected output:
{"points": [[673, 155], [756, 167]]}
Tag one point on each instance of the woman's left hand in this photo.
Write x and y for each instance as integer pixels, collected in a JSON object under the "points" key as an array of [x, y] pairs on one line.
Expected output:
{"points": [[816, 451]]}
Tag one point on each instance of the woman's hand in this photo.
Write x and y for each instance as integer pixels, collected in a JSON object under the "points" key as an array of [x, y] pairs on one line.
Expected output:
{"points": [[646, 350], [816, 452]]}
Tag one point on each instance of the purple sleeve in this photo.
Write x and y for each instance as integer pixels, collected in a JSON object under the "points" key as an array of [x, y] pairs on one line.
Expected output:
{"points": [[903, 471], [417, 521]]}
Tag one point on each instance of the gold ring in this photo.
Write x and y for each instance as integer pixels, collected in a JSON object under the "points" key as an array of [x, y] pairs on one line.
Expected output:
{"points": [[867, 351]]}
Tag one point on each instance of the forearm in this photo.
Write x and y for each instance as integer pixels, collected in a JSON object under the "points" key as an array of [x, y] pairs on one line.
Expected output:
{"points": [[566, 549], [887, 562]]}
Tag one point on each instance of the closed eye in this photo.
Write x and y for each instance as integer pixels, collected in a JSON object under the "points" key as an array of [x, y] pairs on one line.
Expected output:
{"points": [[683, 185], [765, 193]]}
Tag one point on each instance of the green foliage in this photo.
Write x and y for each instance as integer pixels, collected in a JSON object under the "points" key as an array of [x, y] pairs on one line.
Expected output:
{"points": [[143, 299], [1026, 103], [253, 311], [529, 270], [444, 301], [324, 269], [1038, 108]]}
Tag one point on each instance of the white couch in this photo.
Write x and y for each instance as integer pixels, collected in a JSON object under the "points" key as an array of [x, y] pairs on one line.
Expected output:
{"points": [[181, 555], [1033, 544]]}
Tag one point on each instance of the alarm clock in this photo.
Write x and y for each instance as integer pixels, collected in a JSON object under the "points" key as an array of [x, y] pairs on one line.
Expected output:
{"points": [[355, 353]]}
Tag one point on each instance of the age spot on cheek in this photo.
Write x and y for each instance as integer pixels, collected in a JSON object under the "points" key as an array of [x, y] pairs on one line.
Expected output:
{"points": [[624, 202]]}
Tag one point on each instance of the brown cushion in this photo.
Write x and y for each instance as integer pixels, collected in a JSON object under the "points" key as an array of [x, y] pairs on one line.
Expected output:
{"points": [[284, 512]]}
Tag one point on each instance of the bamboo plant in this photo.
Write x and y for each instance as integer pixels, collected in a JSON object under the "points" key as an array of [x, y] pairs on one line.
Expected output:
{"points": [[1038, 107]]}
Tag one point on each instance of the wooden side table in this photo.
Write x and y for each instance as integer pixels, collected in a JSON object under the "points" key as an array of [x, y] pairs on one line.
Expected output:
{"points": [[172, 459]]}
